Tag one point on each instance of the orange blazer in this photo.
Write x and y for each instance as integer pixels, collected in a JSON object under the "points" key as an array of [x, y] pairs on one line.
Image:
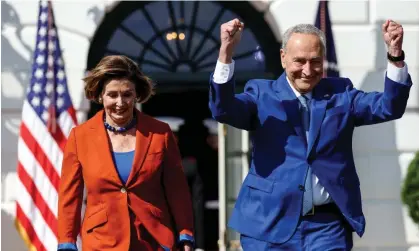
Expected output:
{"points": [[156, 191]]}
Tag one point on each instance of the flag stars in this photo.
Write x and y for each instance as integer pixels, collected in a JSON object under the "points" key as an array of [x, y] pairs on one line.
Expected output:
{"points": [[40, 59], [42, 31], [37, 88], [43, 17], [60, 75], [60, 89], [51, 46], [60, 102], [35, 101], [46, 102], [50, 74], [44, 4], [52, 33], [45, 116], [42, 45], [49, 88], [39, 73]]}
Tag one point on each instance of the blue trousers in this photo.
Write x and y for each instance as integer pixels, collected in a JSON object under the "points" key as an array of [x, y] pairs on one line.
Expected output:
{"points": [[320, 232]]}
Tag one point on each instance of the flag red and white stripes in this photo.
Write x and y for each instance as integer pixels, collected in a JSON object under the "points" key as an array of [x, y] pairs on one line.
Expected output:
{"points": [[47, 118]]}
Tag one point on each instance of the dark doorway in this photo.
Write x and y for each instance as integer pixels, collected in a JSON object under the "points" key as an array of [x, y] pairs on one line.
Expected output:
{"points": [[192, 106]]}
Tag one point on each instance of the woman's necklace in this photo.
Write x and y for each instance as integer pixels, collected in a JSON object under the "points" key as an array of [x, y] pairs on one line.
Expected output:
{"points": [[130, 125]]}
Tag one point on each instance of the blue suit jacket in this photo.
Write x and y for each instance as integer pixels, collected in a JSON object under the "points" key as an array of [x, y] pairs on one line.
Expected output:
{"points": [[269, 203]]}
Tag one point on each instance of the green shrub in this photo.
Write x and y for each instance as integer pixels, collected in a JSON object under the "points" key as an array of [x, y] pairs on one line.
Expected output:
{"points": [[410, 189]]}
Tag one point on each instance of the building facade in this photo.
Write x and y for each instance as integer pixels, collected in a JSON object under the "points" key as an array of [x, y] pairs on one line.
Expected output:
{"points": [[176, 44]]}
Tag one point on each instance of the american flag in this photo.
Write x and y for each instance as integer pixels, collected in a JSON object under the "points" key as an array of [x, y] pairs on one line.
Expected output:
{"points": [[323, 22], [47, 118]]}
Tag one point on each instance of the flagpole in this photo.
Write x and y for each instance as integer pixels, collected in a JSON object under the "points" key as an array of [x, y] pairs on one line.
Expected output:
{"points": [[323, 28], [52, 122]]}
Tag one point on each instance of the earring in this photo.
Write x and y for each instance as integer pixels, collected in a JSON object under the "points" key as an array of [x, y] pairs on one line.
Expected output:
{"points": [[100, 100]]}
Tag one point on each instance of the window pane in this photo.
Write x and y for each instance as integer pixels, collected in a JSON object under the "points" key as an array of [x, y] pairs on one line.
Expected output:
{"points": [[146, 68], [125, 44], [150, 55], [159, 13], [204, 48], [206, 14], [138, 24], [247, 43], [158, 45]]}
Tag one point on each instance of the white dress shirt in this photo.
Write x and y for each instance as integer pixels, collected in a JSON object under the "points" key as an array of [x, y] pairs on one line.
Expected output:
{"points": [[224, 72]]}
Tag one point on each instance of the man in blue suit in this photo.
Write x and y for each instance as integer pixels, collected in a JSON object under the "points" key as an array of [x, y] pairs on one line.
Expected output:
{"points": [[302, 191]]}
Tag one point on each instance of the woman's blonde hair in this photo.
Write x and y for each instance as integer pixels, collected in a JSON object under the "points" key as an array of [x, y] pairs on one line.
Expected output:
{"points": [[117, 67]]}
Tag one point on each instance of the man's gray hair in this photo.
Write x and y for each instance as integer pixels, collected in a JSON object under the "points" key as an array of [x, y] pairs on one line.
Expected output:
{"points": [[304, 29]]}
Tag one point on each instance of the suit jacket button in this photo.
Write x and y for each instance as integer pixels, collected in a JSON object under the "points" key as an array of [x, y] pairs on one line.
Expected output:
{"points": [[301, 187], [123, 190]]}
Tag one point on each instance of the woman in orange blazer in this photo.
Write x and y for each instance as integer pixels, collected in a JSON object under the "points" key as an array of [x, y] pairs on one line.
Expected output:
{"points": [[137, 194]]}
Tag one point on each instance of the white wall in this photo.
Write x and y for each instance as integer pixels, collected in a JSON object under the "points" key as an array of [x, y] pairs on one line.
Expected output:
{"points": [[382, 151]]}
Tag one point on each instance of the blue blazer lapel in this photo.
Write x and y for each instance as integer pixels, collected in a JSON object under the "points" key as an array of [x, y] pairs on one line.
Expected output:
{"points": [[318, 109], [290, 103]]}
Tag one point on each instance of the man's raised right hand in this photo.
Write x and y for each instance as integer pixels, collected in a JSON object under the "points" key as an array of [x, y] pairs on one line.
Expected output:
{"points": [[230, 36]]}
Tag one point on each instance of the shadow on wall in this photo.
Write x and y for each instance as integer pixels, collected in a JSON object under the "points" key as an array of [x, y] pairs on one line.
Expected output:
{"points": [[15, 78], [15, 58], [96, 14], [377, 158], [16, 65]]}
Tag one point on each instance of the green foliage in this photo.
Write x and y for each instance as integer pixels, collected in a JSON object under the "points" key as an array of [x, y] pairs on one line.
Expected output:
{"points": [[410, 189]]}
